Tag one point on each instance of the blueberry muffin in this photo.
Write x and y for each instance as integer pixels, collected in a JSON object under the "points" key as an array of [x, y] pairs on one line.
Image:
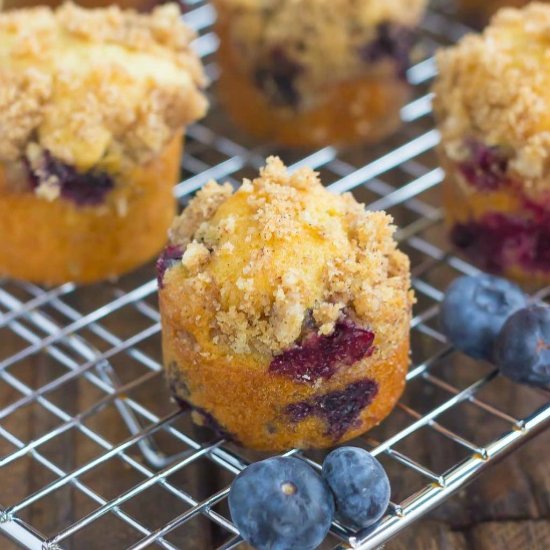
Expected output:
{"points": [[315, 72], [142, 5], [493, 110], [285, 312], [93, 105]]}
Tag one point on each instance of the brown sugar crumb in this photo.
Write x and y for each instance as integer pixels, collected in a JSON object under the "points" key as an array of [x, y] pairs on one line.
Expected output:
{"points": [[494, 87], [101, 88], [22, 100], [282, 252], [200, 210], [317, 41]]}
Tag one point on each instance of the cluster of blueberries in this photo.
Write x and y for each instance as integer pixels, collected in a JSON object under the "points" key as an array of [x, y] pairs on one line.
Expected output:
{"points": [[282, 503], [490, 318]]}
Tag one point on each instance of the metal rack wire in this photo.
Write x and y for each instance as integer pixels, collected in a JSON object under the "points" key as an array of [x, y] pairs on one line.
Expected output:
{"points": [[104, 342]]}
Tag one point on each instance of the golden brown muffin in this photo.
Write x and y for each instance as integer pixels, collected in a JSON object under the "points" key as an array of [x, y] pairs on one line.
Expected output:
{"points": [[93, 105], [285, 312], [315, 72], [493, 109]]}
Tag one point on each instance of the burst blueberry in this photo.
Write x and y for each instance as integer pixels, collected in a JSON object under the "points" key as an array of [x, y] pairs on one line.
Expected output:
{"points": [[281, 504], [320, 356], [277, 78], [522, 349], [82, 188], [339, 409], [474, 310], [391, 42], [168, 258], [487, 167], [359, 484]]}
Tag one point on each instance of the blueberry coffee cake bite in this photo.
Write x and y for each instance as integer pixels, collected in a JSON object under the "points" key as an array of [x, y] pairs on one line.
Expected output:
{"points": [[316, 72], [493, 110], [285, 311], [93, 105]]}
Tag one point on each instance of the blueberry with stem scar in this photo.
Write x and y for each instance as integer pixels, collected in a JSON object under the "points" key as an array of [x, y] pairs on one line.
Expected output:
{"points": [[281, 504]]}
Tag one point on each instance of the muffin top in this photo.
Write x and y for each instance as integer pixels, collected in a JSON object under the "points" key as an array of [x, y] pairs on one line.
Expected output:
{"points": [[255, 269], [96, 88], [494, 88], [369, 12], [315, 41]]}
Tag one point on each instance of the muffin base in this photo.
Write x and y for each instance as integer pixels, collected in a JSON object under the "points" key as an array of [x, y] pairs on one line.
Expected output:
{"points": [[360, 110], [481, 224], [55, 242], [238, 397]]}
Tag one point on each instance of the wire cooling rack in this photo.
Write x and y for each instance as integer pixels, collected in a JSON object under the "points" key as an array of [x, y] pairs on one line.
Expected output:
{"points": [[94, 454]]}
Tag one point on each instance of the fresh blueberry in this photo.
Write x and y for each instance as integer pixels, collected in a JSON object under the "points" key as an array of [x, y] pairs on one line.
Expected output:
{"points": [[359, 484], [474, 310], [522, 348], [281, 504]]}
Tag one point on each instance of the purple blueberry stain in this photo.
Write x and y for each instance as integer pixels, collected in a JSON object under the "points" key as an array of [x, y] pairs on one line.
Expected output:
{"points": [[391, 42], [277, 76], [320, 356], [486, 168], [82, 188], [498, 241], [338, 409], [168, 258]]}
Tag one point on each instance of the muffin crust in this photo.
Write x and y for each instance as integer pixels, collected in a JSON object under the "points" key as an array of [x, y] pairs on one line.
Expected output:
{"points": [[493, 87], [321, 39], [259, 289], [493, 109], [105, 88]]}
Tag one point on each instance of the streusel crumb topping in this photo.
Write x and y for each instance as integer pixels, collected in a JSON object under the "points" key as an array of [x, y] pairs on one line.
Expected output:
{"points": [[323, 40], [281, 254], [96, 88], [495, 87]]}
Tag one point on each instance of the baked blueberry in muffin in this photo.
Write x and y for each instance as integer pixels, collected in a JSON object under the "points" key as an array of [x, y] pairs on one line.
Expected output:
{"points": [[317, 71], [285, 311], [93, 105], [493, 110]]}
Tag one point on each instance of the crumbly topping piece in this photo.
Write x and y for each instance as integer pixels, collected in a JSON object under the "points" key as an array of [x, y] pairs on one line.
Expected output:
{"points": [[282, 253], [494, 87], [201, 209], [98, 88], [317, 41]]}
